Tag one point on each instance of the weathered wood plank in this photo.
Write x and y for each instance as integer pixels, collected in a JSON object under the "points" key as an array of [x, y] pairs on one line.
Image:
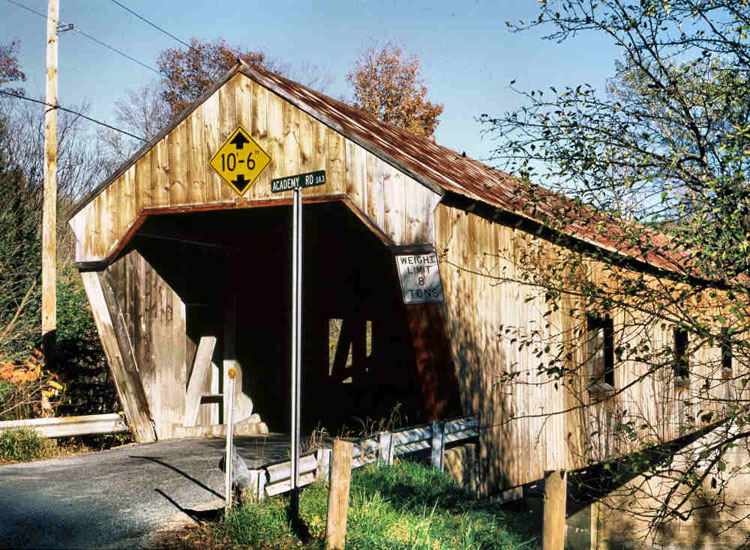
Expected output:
{"points": [[432, 349], [227, 125], [143, 187], [200, 372], [160, 174], [338, 496], [212, 142], [336, 161], [178, 164], [196, 158], [110, 325]]}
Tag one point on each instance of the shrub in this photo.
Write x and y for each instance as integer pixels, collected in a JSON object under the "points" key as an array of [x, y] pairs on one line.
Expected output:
{"points": [[24, 444], [27, 389]]}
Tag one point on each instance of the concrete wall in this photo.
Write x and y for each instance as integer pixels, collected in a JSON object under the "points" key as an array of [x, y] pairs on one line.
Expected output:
{"points": [[720, 519], [714, 519]]}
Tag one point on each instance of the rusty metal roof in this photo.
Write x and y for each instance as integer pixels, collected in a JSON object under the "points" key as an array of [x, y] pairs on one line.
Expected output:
{"points": [[446, 171], [438, 166]]}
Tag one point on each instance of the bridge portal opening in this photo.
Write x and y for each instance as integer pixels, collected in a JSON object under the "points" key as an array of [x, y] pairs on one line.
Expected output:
{"points": [[228, 272]]}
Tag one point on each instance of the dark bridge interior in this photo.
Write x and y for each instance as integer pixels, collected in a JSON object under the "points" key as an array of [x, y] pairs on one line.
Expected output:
{"points": [[357, 358]]}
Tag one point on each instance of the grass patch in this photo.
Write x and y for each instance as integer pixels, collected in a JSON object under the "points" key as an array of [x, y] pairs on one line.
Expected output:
{"points": [[404, 507], [24, 445], [21, 445]]}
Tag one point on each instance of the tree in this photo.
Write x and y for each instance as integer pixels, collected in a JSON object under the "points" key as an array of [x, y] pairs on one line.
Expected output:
{"points": [[80, 357], [389, 86], [187, 72], [664, 146], [9, 68]]}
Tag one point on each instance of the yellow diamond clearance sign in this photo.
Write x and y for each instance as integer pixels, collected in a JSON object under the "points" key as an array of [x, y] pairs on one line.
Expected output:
{"points": [[240, 161]]}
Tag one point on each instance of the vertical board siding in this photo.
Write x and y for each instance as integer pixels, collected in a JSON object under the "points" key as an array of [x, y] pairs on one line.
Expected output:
{"points": [[178, 165], [212, 142], [227, 123], [160, 174], [156, 324], [122, 365], [336, 161], [197, 161], [143, 184], [524, 427], [175, 171]]}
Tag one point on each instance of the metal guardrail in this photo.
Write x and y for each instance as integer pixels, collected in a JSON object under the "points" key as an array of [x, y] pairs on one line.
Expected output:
{"points": [[70, 425], [275, 478]]}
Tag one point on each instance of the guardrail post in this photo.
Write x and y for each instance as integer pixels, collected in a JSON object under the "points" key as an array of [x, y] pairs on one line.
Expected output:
{"points": [[323, 458], [385, 448], [338, 495], [438, 444], [261, 485]]}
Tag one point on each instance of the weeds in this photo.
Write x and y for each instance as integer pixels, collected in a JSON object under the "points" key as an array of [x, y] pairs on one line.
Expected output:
{"points": [[23, 444]]}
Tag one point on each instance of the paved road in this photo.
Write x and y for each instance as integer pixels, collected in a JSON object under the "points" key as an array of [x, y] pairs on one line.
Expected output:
{"points": [[121, 497]]}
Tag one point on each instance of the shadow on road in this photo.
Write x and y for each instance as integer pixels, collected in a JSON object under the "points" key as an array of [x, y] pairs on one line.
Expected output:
{"points": [[200, 516], [158, 460]]}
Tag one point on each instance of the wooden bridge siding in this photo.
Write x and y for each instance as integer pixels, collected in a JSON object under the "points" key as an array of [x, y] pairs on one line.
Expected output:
{"points": [[175, 172], [480, 270], [156, 322], [120, 356]]}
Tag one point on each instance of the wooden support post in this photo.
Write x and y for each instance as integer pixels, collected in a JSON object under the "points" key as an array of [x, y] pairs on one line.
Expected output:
{"points": [[201, 367], [385, 448], [49, 209], [113, 333], [438, 445], [338, 495], [555, 496]]}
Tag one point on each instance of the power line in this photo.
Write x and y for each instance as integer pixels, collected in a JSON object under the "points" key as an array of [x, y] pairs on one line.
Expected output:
{"points": [[87, 35], [99, 122], [158, 28]]}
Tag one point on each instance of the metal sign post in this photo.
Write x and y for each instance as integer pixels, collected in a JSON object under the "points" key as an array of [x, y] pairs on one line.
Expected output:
{"points": [[296, 184], [296, 340], [228, 460]]}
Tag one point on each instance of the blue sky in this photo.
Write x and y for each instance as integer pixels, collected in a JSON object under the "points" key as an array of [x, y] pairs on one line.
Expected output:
{"points": [[468, 55]]}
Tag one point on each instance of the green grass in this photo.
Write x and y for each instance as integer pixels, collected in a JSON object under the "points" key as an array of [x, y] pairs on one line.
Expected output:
{"points": [[22, 445], [404, 507]]}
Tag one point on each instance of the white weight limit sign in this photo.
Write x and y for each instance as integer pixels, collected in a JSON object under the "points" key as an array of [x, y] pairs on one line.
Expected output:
{"points": [[419, 275]]}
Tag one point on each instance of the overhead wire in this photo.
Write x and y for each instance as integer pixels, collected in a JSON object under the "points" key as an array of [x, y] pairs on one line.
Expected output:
{"points": [[89, 36], [77, 113], [157, 27]]}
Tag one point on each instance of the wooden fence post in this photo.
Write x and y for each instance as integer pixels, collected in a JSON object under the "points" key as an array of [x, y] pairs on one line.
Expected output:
{"points": [[338, 495], [438, 444], [555, 496]]}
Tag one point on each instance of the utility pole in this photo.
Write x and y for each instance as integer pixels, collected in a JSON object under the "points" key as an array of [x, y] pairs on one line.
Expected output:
{"points": [[49, 213]]}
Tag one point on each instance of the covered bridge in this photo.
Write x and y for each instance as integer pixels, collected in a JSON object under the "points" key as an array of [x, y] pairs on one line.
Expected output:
{"points": [[176, 256]]}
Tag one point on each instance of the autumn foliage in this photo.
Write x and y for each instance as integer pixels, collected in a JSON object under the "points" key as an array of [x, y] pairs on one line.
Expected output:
{"points": [[389, 86], [188, 72], [27, 389]]}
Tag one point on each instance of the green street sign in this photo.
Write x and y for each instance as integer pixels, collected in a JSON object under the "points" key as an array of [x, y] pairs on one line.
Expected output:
{"points": [[300, 181]]}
